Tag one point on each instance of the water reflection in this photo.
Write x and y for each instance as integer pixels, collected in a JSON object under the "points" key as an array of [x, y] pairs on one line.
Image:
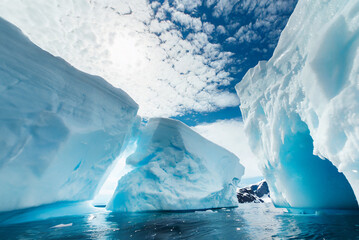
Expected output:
{"points": [[312, 226], [165, 225], [248, 221]]}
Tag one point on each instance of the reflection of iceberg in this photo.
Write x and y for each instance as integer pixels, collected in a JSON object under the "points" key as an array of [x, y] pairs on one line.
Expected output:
{"points": [[176, 169], [59, 128], [47, 211], [302, 106]]}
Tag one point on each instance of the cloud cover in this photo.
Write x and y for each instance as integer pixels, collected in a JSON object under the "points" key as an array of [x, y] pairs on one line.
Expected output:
{"points": [[166, 55]]}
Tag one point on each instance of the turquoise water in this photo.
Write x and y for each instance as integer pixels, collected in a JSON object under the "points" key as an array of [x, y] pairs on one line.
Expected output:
{"points": [[248, 221]]}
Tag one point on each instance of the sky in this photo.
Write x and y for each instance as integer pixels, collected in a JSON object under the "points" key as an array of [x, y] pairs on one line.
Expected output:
{"points": [[175, 58], [221, 133]]}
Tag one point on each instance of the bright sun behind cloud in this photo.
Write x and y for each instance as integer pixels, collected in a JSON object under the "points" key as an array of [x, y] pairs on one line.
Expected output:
{"points": [[127, 54], [133, 46], [169, 58]]}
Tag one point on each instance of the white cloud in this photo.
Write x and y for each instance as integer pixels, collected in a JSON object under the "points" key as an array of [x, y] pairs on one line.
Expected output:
{"points": [[223, 7], [210, 3], [230, 135], [231, 40], [139, 46], [208, 28], [188, 5], [221, 29], [155, 5], [160, 26], [265, 17], [246, 34], [134, 46], [187, 21]]}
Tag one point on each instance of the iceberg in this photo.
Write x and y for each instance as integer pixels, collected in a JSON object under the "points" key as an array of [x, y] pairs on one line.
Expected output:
{"points": [[61, 131], [301, 108], [60, 128], [175, 168]]}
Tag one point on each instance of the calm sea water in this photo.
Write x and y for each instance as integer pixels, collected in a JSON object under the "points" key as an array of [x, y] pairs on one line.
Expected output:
{"points": [[248, 221]]}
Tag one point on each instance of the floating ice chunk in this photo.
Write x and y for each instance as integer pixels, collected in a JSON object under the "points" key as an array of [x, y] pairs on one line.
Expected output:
{"points": [[208, 211], [91, 217], [175, 168], [62, 225]]}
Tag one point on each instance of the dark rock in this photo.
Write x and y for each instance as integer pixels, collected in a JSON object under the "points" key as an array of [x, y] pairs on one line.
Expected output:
{"points": [[254, 187], [246, 197], [262, 189], [253, 193]]}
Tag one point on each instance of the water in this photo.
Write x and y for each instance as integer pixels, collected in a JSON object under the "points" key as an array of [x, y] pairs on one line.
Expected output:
{"points": [[248, 221]]}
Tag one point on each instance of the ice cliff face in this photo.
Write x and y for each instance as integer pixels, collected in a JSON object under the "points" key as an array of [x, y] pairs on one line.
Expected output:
{"points": [[302, 106], [177, 169], [60, 128]]}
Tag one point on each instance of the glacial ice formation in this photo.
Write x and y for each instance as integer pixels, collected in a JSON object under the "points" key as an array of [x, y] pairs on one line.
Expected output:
{"points": [[60, 128], [175, 168], [301, 108]]}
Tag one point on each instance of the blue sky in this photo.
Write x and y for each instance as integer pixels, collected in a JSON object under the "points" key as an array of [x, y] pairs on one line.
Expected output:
{"points": [[175, 58], [251, 30]]}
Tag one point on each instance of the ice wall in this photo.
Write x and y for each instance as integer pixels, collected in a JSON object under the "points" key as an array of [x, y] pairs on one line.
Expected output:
{"points": [[175, 168], [59, 128], [302, 106]]}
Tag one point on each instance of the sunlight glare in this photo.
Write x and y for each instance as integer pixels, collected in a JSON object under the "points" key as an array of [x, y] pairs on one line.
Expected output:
{"points": [[127, 54]]}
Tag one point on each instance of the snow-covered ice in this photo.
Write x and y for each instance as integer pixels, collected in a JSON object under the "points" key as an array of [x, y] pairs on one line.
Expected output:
{"points": [[301, 108], [175, 168], [60, 128]]}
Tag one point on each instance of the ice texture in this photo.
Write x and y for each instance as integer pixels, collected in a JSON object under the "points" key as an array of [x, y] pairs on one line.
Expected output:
{"points": [[175, 168], [301, 108], [60, 128]]}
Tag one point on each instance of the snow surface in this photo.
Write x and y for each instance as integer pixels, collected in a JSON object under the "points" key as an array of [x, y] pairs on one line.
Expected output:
{"points": [[60, 128], [302, 107], [175, 168]]}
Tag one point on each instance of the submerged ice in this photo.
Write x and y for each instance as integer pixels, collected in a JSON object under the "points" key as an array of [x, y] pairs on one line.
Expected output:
{"points": [[174, 168], [60, 128], [301, 108]]}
